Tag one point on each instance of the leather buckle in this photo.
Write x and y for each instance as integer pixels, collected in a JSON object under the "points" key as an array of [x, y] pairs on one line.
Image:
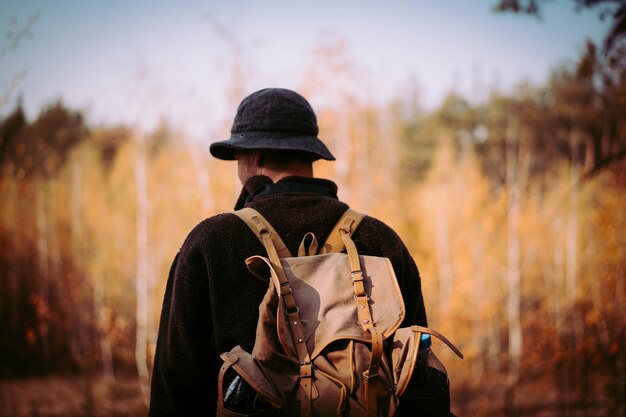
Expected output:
{"points": [[306, 369]]}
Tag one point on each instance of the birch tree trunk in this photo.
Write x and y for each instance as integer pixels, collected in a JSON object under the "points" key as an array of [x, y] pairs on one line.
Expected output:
{"points": [[201, 174], [42, 259], [93, 283], [78, 253], [365, 131], [572, 222], [104, 340], [58, 285], [559, 298], [578, 377], [141, 338], [10, 211], [444, 254], [513, 273], [479, 335], [343, 150], [513, 283], [619, 328]]}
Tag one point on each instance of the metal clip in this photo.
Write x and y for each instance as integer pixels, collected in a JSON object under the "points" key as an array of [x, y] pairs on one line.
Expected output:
{"points": [[357, 272], [287, 311], [367, 376]]}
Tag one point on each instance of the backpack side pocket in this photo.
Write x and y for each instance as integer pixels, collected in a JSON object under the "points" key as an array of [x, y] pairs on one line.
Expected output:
{"points": [[244, 389]]}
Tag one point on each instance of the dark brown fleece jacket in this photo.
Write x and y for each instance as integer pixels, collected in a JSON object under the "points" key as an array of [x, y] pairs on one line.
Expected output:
{"points": [[211, 299]]}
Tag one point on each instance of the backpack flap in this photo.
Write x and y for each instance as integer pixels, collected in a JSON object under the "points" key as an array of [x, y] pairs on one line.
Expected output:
{"points": [[324, 290], [325, 296]]}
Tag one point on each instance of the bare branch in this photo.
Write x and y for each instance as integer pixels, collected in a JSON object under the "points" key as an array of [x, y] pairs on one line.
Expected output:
{"points": [[16, 34]]}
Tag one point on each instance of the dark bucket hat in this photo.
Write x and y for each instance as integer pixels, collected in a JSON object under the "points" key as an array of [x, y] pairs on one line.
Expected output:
{"points": [[276, 119]]}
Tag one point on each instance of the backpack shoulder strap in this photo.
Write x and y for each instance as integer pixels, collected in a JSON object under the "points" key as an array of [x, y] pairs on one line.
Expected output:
{"points": [[273, 243], [257, 223], [349, 221]]}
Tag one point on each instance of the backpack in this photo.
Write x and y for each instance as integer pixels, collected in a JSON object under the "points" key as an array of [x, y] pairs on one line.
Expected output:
{"points": [[328, 339]]}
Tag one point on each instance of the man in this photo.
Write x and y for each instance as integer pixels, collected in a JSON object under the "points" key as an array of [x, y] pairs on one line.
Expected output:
{"points": [[211, 300]]}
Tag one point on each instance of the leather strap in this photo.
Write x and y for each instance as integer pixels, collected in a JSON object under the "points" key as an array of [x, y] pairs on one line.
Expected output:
{"points": [[439, 336], [334, 242], [229, 360], [261, 227], [365, 317], [349, 221], [253, 218], [312, 247]]}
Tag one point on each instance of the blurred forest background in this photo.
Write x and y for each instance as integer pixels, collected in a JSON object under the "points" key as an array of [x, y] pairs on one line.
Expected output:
{"points": [[514, 210]]}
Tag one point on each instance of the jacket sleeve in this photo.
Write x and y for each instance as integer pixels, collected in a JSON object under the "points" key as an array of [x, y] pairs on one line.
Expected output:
{"points": [[185, 369], [411, 286]]}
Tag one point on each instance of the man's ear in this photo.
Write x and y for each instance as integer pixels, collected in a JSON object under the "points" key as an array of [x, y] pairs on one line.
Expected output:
{"points": [[259, 158]]}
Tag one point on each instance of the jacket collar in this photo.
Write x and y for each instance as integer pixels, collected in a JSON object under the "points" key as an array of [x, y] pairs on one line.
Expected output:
{"points": [[261, 186]]}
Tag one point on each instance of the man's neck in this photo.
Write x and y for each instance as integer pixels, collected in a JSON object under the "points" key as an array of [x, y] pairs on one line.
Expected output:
{"points": [[297, 172]]}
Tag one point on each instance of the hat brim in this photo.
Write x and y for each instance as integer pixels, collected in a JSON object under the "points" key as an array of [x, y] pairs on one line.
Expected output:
{"points": [[276, 141]]}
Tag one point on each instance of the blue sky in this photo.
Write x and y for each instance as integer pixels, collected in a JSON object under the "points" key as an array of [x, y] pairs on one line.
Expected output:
{"points": [[138, 60]]}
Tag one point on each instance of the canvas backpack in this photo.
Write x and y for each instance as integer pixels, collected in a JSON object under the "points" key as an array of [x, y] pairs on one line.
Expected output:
{"points": [[328, 339]]}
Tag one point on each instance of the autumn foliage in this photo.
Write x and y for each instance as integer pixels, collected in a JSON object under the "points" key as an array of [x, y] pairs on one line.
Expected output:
{"points": [[514, 210]]}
